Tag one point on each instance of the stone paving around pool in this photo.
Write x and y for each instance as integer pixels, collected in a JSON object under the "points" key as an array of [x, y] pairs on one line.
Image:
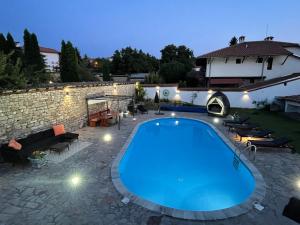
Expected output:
{"points": [[46, 196]]}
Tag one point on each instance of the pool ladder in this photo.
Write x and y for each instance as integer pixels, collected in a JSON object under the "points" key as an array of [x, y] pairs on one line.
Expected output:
{"points": [[251, 150]]}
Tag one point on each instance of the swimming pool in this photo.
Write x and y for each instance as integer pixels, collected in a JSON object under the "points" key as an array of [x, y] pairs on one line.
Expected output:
{"points": [[183, 164]]}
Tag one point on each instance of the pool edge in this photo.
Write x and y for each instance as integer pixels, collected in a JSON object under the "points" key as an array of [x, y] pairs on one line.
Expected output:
{"points": [[257, 195]]}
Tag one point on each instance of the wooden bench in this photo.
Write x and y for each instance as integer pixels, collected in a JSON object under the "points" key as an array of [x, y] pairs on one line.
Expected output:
{"points": [[94, 118]]}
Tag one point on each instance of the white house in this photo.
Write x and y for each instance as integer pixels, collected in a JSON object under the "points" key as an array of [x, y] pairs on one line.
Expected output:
{"points": [[249, 62], [51, 57]]}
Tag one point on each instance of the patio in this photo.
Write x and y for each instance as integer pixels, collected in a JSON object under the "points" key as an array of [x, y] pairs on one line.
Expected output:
{"points": [[46, 196]]}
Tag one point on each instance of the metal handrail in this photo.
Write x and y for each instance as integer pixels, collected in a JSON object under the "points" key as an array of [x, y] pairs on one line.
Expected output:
{"points": [[250, 148]]}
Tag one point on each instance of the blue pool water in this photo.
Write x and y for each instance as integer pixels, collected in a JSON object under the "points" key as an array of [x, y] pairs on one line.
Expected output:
{"points": [[184, 164]]}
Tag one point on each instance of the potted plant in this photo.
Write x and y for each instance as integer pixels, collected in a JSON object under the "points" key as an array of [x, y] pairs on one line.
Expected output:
{"points": [[38, 159]]}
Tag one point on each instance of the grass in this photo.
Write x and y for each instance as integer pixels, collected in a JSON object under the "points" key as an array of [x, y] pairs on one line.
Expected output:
{"points": [[281, 125]]}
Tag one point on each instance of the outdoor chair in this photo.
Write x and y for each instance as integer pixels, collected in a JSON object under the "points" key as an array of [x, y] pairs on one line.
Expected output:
{"points": [[275, 143], [244, 126], [254, 133], [236, 120]]}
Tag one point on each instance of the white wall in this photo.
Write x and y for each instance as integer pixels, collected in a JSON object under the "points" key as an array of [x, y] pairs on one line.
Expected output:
{"points": [[51, 60], [236, 99], [249, 68]]}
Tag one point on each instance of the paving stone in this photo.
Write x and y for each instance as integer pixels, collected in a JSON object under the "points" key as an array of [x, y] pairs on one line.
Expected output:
{"points": [[46, 195]]}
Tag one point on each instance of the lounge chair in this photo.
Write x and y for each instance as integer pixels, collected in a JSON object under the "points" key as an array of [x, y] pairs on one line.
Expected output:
{"points": [[236, 120], [254, 133], [142, 109], [275, 143], [244, 126]]}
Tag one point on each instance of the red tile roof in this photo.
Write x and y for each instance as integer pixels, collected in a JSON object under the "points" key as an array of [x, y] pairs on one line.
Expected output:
{"points": [[48, 50], [253, 48]]}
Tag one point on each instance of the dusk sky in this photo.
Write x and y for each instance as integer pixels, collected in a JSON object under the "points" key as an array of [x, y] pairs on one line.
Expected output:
{"points": [[98, 27]]}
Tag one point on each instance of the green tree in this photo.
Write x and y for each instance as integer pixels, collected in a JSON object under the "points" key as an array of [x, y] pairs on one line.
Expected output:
{"points": [[68, 63], [181, 57], [33, 60], [172, 72], [10, 43], [11, 75], [129, 60], [11, 47], [37, 58], [3, 46], [106, 71], [233, 41], [84, 71], [169, 54]]}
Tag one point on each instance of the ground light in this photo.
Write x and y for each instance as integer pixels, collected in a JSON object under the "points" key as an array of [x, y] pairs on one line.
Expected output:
{"points": [[107, 137], [173, 114], [216, 120], [133, 118], [75, 180]]}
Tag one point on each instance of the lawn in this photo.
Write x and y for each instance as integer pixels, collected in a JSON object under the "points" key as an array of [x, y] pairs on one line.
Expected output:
{"points": [[281, 125]]}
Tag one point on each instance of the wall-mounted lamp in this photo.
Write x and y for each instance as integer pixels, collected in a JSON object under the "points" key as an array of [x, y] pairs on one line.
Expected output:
{"points": [[210, 91], [157, 88], [67, 90], [115, 86], [245, 92]]}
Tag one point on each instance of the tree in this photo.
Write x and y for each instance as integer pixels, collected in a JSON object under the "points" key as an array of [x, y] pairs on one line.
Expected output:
{"points": [[169, 54], [129, 60], [181, 57], [33, 60], [27, 48], [11, 75], [10, 43], [3, 46], [68, 63], [37, 58], [106, 71], [233, 41], [172, 72]]}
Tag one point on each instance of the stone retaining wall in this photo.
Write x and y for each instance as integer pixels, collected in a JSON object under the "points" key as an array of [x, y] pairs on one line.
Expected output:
{"points": [[26, 112]]}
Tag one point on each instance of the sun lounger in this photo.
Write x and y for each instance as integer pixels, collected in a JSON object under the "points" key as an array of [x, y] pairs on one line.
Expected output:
{"points": [[254, 133], [276, 143], [244, 126], [237, 120]]}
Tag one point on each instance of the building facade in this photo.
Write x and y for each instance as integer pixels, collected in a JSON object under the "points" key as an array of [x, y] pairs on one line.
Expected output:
{"points": [[51, 57], [250, 62]]}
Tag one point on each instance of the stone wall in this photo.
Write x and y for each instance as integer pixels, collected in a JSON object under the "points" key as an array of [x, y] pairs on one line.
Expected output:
{"points": [[30, 111]]}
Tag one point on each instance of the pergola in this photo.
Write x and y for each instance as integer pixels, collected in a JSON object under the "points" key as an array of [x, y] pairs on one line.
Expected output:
{"points": [[102, 98]]}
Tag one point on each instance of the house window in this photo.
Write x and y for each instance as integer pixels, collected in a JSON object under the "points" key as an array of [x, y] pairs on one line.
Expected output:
{"points": [[238, 61], [259, 60], [270, 63]]}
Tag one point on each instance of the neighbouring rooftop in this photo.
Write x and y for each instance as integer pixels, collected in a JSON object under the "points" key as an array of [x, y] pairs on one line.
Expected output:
{"points": [[253, 48], [291, 98]]}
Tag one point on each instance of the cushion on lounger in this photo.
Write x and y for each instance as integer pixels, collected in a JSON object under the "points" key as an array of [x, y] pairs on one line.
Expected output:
{"points": [[59, 129], [14, 144]]}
